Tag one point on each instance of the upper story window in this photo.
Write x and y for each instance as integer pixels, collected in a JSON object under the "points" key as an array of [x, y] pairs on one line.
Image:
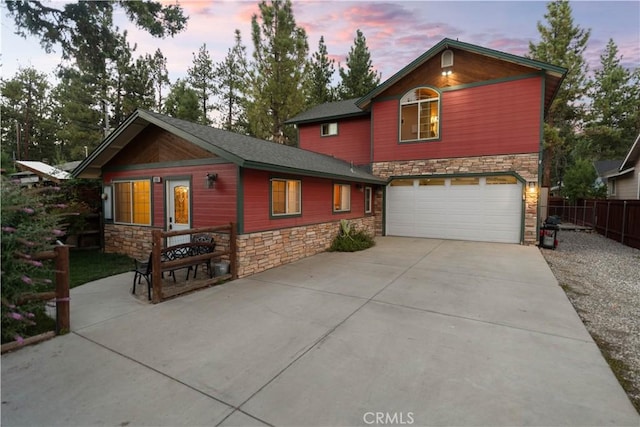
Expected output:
{"points": [[132, 202], [329, 129], [419, 110], [341, 197], [286, 197]]}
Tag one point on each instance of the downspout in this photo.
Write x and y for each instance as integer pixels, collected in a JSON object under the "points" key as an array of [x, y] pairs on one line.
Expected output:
{"points": [[540, 154], [240, 201]]}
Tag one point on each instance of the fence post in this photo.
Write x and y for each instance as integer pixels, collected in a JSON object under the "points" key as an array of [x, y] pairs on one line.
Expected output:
{"points": [[156, 274], [594, 216], [606, 227], [233, 252], [624, 220], [63, 323], [584, 211]]}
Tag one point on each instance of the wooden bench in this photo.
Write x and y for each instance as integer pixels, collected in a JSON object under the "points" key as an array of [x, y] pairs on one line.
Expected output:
{"points": [[177, 257]]}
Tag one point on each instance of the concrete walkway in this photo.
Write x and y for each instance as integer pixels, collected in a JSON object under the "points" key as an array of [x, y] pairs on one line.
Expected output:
{"points": [[412, 331]]}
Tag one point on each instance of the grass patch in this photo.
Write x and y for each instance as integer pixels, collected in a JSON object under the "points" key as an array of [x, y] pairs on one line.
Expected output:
{"points": [[90, 265]]}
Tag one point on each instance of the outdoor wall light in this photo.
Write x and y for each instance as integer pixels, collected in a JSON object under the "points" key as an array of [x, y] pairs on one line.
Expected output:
{"points": [[210, 180], [447, 72], [532, 186]]}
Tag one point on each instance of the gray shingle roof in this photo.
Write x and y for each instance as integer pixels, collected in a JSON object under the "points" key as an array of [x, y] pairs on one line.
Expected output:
{"points": [[603, 167], [242, 150], [329, 110]]}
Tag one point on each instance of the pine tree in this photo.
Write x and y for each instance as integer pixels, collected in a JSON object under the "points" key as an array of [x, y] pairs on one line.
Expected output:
{"points": [[277, 77], [159, 75], [359, 77], [615, 105], [79, 114], [320, 75], [201, 77], [182, 102], [563, 44], [79, 26], [26, 116], [231, 81]]}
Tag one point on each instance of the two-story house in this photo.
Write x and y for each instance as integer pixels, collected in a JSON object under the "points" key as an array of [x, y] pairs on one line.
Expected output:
{"points": [[457, 133]]}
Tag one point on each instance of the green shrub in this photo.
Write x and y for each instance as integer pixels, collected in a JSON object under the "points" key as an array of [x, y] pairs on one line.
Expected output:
{"points": [[30, 224], [349, 240]]}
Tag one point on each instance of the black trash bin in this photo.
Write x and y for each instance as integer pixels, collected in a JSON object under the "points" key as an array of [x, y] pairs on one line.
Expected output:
{"points": [[549, 235]]}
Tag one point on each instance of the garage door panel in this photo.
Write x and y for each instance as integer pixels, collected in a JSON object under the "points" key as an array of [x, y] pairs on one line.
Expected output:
{"points": [[482, 212]]}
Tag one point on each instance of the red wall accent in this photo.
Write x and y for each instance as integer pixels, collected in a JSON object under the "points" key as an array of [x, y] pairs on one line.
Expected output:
{"points": [[211, 206], [317, 199], [353, 142], [501, 118]]}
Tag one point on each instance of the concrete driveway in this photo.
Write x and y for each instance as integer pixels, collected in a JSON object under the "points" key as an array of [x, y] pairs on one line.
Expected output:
{"points": [[412, 331]]}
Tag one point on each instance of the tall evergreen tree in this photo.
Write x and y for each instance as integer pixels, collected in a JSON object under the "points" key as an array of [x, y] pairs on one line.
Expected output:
{"points": [[320, 75], [615, 107], [139, 86], [79, 114], [359, 77], [159, 75], [562, 43], [120, 71], [277, 77], [26, 127], [231, 81], [182, 102], [201, 77], [78, 27]]}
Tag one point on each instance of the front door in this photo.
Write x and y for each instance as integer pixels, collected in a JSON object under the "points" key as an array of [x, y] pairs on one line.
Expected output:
{"points": [[178, 209]]}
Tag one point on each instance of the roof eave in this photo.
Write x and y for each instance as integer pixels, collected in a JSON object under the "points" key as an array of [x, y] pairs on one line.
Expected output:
{"points": [[80, 170], [633, 151], [306, 172], [325, 118]]}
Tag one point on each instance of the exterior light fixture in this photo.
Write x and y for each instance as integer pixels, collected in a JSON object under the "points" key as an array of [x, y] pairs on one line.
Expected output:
{"points": [[210, 180], [447, 72], [533, 186]]}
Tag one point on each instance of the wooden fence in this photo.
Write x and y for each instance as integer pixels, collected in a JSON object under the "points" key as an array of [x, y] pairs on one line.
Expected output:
{"points": [[229, 252], [615, 219], [61, 296]]}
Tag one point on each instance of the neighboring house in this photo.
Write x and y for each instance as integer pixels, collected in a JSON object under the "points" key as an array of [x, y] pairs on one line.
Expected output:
{"points": [[34, 173], [623, 182], [165, 173], [458, 135], [603, 169]]}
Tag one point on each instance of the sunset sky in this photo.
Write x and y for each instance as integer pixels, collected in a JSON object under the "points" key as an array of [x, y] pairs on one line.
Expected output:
{"points": [[397, 31]]}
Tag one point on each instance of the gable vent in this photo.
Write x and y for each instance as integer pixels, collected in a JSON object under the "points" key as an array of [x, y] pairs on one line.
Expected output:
{"points": [[446, 60]]}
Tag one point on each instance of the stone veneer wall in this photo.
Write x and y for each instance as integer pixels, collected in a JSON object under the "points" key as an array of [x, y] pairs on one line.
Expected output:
{"points": [[526, 165], [264, 250], [256, 251], [131, 240]]}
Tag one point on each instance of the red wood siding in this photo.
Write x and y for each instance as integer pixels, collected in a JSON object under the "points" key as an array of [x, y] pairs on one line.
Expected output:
{"points": [[210, 206], [492, 119], [317, 202], [353, 142]]}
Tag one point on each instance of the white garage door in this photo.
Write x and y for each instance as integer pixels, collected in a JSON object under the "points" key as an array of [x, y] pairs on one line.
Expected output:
{"points": [[486, 209]]}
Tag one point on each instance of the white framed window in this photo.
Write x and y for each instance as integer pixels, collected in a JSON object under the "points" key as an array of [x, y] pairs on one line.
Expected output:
{"points": [[329, 129], [286, 197], [341, 197], [132, 202], [612, 186], [419, 115], [368, 200]]}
